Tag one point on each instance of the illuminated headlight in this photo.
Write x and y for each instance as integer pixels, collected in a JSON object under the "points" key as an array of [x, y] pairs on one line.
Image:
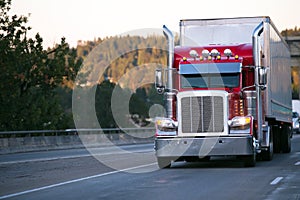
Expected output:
{"points": [[241, 125], [166, 124], [165, 127], [240, 121]]}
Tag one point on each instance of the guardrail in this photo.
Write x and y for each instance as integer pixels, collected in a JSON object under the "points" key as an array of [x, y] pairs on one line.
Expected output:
{"points": [[35, 133], [38, 140]]}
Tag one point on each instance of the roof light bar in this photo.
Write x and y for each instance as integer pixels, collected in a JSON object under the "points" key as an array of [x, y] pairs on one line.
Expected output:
{"points": [[227, 52], [205, 53], [194, 53], [214, 53]]}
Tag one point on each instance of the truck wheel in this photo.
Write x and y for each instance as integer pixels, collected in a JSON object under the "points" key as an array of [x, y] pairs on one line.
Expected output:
{"points": [[267, 155], [163, 163], [286, 139], [276, 139], [197, 159], [250, 161]]}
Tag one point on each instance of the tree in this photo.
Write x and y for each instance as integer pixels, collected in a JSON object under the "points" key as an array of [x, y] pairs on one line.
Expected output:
{"points": [[103, 104], [291, 32], [30, 75]]}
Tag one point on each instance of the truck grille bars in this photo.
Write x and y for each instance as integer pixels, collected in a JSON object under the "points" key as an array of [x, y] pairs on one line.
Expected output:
{"points": [[202, 114]]}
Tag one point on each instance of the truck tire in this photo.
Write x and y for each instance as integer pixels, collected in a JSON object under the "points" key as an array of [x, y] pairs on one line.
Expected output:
{"points": [[286, 139], [163, 163], [276, 139], [267, 155], [197, 159]]}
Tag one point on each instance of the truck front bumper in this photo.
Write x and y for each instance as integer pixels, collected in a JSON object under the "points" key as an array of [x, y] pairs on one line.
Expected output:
{"points": [[206, 146]]}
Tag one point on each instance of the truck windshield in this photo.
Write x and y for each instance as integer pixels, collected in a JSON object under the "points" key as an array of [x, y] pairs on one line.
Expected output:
{"points": [[226, 80]]}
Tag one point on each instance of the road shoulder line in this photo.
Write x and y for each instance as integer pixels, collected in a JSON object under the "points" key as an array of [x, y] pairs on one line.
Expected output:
{"points": [[74, 181]]}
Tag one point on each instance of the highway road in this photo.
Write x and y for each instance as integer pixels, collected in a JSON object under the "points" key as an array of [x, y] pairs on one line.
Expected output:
{"points": [[132, 173]]}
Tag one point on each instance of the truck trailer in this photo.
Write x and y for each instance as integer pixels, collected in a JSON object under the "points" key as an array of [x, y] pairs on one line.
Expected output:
{"points": [[227, 92]]}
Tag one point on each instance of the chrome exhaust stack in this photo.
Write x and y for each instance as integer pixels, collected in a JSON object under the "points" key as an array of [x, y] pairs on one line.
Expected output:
{"points": [[257, 56], [169, 35], [169, 95]]}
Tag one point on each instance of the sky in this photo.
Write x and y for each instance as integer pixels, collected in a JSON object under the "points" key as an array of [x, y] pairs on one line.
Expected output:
{"points": [[88, 19]]}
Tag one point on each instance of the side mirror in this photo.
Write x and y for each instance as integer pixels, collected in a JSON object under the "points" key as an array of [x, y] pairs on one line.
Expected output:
{"points": [[262, 76], [159, 83]]}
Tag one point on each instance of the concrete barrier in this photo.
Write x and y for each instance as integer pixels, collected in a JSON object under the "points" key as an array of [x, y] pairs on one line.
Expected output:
{"points": [[91, 139]]}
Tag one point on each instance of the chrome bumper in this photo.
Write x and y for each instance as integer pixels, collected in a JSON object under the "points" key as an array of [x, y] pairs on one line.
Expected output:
{"points": [[208, 146]]}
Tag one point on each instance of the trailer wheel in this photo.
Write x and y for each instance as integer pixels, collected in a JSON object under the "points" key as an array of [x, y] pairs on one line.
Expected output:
{"points": [[286, 139], [163, 163], [267, 155], [276, 139]]}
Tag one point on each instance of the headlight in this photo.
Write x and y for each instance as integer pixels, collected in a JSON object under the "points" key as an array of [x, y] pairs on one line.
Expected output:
{"points": [[241, 125], [166, 124], [239, 121]]}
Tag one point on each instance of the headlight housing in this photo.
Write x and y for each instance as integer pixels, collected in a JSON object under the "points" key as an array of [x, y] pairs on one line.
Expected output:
{"points": [[241, 124], [165, 126], [240, 121]]}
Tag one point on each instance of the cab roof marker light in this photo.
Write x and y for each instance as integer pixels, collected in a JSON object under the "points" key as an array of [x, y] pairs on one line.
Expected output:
{"points": [[228, 52], [214, 53], [194, 54], [205, 53]]}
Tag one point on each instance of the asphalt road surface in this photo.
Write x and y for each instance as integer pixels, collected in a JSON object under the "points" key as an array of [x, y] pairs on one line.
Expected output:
{"points": [[132, 173]]}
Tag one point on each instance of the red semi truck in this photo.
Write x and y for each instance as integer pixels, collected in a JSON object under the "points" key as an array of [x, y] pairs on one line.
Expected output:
{"points": [[227, 92]]}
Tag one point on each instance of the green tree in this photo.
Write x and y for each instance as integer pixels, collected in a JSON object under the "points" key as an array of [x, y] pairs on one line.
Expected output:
{"points": [[103, 104], [30, 75]]}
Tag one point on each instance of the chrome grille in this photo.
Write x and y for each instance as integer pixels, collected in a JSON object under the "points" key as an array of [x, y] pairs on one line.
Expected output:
{"points": [[202, 114]]}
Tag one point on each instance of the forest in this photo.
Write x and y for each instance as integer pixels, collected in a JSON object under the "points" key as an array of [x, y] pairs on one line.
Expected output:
{"points": [[37, 85]]}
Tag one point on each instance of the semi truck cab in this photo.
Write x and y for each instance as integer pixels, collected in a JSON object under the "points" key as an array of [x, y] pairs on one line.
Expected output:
{"points": [[216, 93]]}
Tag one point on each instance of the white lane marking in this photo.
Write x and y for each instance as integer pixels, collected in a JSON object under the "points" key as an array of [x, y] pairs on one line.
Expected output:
{"points": [[73, 181], [276, 180], [297, 163], [43, 159]]}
